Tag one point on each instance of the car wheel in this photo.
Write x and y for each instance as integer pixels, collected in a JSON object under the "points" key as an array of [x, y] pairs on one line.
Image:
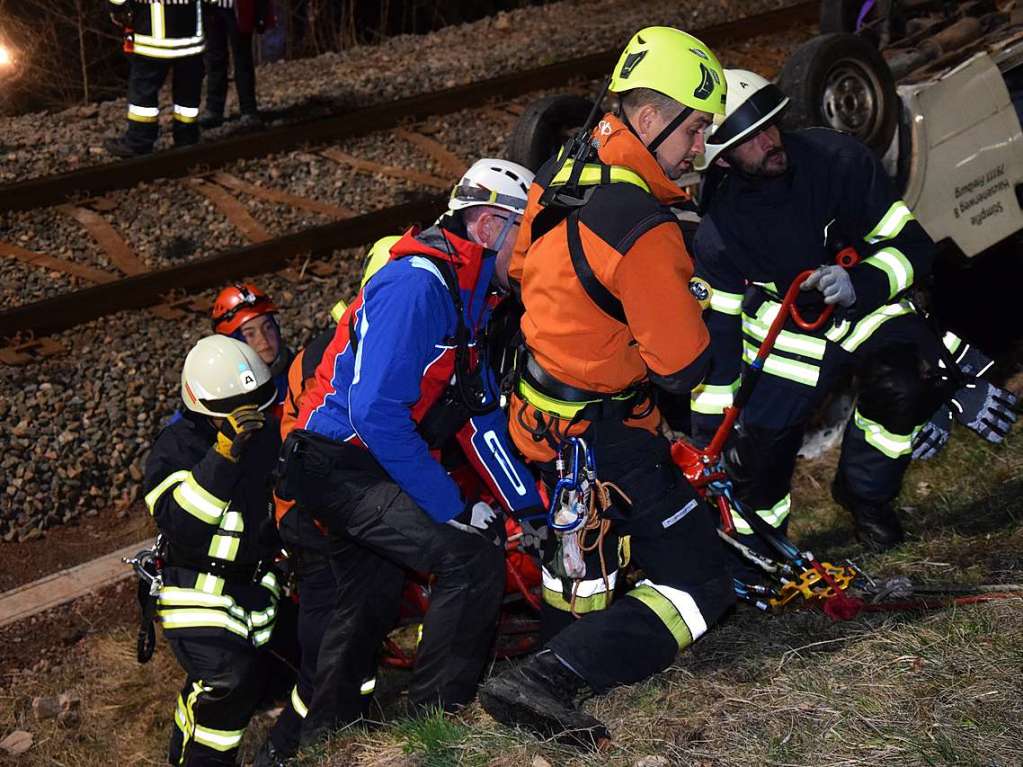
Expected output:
{"points": [[841, 81], [544, 126]]}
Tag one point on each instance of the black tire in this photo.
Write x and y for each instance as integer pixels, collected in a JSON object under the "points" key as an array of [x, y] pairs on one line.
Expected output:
{"points": [[839, 16], [841, 82], [545, 126]]}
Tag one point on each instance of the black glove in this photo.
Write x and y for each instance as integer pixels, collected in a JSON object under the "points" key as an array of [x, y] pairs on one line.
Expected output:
{"points": [[985, 409], [534, 532], [236, 431], [933, 435], [480, 518]]}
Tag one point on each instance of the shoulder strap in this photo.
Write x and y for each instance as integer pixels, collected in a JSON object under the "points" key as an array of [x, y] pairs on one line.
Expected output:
{"points": [[600, 295]]}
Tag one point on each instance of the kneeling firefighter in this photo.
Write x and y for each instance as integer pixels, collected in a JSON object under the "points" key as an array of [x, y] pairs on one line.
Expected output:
{"points": [[403, 375], [206, 483], [604, 275], [777, 204]]}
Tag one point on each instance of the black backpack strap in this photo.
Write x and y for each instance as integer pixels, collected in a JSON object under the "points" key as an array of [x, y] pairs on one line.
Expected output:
{"points": [[600, 295]]}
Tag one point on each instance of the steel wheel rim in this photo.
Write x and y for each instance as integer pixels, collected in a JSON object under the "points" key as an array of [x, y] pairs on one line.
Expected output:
{"points": [[851, 98]]}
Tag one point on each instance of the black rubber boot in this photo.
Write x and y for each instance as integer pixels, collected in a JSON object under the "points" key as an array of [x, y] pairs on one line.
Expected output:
{"points": [[268, 756], [122, 147], [877, 526], [540, 696]]}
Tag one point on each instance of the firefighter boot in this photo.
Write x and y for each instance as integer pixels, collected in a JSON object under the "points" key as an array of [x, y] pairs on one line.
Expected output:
{"points": [[269, 756], [877, 527], [540, 695]]}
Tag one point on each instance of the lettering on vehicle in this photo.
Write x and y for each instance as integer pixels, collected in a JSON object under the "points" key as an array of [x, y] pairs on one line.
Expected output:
{"points": [[491, 440], [972, 196], [679, 514]]}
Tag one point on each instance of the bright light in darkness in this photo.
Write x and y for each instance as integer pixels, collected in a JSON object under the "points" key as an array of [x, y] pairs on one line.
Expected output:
{"points": [[6, 59]]}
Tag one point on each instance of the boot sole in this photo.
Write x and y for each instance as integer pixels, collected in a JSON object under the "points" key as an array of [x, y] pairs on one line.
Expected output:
{"points": [[509, 704]]}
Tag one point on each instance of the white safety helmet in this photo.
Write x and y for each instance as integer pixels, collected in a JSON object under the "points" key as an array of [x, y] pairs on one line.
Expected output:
{"points": [[751, 104], [499, 183], [222, 373]]}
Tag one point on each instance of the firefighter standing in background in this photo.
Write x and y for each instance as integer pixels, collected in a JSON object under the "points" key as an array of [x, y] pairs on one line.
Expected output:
{"points": [[231, 24], [206, 483], [164, 36]]}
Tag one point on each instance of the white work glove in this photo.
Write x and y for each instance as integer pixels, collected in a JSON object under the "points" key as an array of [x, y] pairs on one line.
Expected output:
{"points": [[834, 282], [480, 519], [985, 409], [933, 435]]}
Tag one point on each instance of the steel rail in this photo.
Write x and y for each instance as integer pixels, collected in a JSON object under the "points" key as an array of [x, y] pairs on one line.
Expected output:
{"points": [[52, 315], [51, 190]]}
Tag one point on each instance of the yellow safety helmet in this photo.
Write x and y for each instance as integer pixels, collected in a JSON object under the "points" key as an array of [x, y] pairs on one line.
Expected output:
{"points": [[674, 63]]}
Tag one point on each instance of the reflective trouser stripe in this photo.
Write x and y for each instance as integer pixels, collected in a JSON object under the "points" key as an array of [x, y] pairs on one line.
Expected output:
{"points": [[782, 367], [724, 302], [186, 114], [877, 436], [218, 740], [184, 717], [296, 703], [168, 43], [773, 516], [865, 328], [710, 399], [269, 581], [590, 595], [676, 609], [143, 114], [367, 687], [896, 267], [891, 224]]}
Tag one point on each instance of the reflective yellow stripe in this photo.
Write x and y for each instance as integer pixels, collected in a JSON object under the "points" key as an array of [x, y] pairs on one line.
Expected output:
{"points": [[155, 52], [210, 584], [865, 328], [168, 44], [154, 495], [782, 367], [768, 286], [787, 341], [337, 310], [175, 596], [226, 546], [296, 703], [269, 581], [555, 407], [260, 638], [712, 400], [199, 502], [218, 740], [877, 436], [156, 19], [367, 687], [838, 331], [676, 609], [174, 619], [891, 223], [952, 342], [186, 114], [591, 175], [726, 303], [184, 716], [590, 595], [896, 267], [143, 114], [773, 516]]}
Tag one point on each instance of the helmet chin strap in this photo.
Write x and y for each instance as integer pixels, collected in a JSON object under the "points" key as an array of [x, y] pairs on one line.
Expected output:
{"points": [[665, 132]]}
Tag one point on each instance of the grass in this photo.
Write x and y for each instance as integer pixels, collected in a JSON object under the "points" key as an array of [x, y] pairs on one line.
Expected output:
{"points": [[934, 688]]}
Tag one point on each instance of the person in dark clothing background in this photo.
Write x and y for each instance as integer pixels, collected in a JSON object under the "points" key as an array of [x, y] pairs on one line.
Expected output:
{"points": [[231, 24]]}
